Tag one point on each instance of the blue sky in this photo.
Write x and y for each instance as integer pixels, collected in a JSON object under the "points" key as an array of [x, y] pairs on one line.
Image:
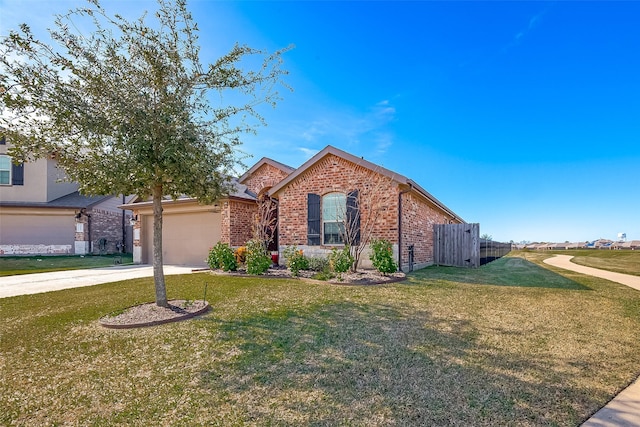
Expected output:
{"points": [[522, 116]]}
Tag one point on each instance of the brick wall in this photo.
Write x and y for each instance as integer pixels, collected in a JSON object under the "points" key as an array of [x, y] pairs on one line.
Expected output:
{"points": [[335, 174], [237, 222], [106, 225], [418, 218], [265, 176]]}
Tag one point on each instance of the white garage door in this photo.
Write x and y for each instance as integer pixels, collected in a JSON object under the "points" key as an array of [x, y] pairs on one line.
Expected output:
{"points": [[186, 237]]}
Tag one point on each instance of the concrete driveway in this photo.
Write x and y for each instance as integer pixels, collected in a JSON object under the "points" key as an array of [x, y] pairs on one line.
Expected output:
{"points": [[25, 284]]}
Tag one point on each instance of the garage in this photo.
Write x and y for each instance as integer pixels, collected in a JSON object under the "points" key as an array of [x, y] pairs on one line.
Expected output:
{"points": [[186, 237]]}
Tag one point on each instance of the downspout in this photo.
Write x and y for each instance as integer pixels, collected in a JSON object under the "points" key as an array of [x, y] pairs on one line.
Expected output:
{"points": [[400, 225]]}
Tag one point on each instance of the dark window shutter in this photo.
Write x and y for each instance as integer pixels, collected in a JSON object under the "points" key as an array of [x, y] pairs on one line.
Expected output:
{"points": [[17, 174], [3, 140], [313, 219], [353, 216]]}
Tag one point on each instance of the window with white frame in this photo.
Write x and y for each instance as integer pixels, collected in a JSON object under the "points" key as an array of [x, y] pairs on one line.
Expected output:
{"points": [[328, 215], [334, 208], [5, 170]]}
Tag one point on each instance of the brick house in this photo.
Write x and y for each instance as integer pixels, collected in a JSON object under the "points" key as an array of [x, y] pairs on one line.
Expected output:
{"points": [[310, 197], [311, 203], [42, 213], [190, 228]]}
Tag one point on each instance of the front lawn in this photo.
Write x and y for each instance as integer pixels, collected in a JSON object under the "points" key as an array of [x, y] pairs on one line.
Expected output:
{"points": [[12, 265], [511, 343]]}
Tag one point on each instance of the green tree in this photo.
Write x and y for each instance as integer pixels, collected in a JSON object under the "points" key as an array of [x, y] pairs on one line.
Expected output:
{"points": [[127, 108]]}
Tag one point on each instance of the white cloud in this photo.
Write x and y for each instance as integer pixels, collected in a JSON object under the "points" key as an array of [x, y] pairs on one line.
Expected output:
{"points": [[520, 35], [293, 141], [308, 152]]}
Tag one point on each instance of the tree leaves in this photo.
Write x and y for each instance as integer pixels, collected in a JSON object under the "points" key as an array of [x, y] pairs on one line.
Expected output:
{"points": [[132, 98]]}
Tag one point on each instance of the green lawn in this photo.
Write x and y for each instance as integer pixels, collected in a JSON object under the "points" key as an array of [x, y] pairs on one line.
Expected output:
{"points": [[12, 265], [511, 343]]}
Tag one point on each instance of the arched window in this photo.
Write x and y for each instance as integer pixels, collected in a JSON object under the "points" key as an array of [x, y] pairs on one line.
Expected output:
{"points": [[334, 209]]}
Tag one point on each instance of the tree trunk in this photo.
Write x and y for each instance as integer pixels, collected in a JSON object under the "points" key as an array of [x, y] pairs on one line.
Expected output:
{"points": [[158, 272]]}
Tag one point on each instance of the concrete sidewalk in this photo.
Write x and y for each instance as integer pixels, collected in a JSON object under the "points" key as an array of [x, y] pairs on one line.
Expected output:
{"points": [[624, 409], [25, 284], [564, 261]]}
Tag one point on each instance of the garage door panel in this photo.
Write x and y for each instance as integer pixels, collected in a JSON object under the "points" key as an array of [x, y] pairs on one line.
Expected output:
{"points": [[186, 237]]}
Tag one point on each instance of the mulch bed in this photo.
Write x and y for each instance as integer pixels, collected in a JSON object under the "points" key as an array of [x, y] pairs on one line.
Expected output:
{"points": [[150, 314], [362, 277]]}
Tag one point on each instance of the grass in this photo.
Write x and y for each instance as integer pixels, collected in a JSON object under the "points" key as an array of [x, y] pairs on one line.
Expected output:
{"points": [[620, 261], [13, 265], [511, 343]]}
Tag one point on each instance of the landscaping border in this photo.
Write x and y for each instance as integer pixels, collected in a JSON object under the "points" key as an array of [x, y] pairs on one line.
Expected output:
{"points": [[178, 318], [307, 279]]}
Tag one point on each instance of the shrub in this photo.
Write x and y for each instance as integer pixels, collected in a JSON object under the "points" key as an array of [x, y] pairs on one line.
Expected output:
{"points": [[382, 256], [323, 275], [318, 263], [295, 259], [221, 257], [241, 255], [258, 259], [341, 259]]}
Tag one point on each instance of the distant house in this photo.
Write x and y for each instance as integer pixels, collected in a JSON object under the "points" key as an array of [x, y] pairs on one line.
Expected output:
{"points": [[41, 213], [576, 245], [630, 244], [305, 196]]}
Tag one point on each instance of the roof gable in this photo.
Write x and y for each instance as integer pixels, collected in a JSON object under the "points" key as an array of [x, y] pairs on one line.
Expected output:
{"points": [[265, 160], [361, 162], [328, 150]]}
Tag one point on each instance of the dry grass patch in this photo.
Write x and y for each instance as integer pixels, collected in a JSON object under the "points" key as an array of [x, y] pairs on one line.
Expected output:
{"points": [[511, 343]]}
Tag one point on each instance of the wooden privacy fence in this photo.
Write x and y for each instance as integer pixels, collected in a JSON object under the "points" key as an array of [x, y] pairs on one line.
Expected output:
{"points": [[456, 245], [460, 245]]}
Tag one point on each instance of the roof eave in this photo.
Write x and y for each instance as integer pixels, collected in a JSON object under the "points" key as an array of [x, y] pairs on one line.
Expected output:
{"points": [[435, 201]]}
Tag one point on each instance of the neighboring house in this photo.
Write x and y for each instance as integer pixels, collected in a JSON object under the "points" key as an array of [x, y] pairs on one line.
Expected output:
{"points": [[40, 213], [576, 245], [310, 200], [629, 244]]}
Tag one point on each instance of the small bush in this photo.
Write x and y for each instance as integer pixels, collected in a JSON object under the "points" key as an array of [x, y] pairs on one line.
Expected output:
{"points": [[241, 255], [318, 263], [258, 259], [382, 256], [341, 260], [323, 275], [221, 257], [295, 259]]}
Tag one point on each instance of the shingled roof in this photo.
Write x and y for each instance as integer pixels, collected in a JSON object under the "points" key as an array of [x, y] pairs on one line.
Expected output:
{"points": [[74, 200]]}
